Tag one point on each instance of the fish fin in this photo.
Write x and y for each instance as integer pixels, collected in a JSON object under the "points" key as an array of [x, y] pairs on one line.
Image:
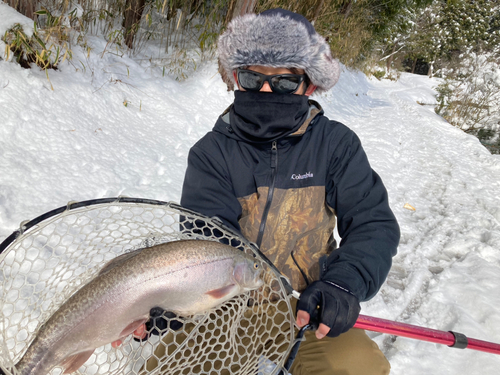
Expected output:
{"points": [[73, 363], [118, 260], [132, 327], [221, 292]]}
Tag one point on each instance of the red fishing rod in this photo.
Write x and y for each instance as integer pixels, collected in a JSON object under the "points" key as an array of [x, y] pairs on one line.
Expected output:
{"points": [[452, 339]]}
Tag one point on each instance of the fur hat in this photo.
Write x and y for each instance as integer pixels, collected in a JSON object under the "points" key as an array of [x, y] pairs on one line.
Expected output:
{"points": [[281, 39]]}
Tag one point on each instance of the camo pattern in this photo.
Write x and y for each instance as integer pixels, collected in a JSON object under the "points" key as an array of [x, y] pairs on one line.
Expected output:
{"points": [[299, 222]]}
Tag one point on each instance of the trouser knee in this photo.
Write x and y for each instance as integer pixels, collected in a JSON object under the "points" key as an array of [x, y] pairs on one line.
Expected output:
{"points": [[352, 353]]}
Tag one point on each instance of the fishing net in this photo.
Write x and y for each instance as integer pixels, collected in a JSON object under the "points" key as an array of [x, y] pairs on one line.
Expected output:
{"points": [[51, 257]]}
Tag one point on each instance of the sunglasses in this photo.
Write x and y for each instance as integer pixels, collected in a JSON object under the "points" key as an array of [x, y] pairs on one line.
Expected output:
{"points": [[279, 83]]}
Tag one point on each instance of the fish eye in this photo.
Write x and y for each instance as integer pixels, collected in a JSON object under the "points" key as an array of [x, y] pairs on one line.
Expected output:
{"points": [[256, 265]]}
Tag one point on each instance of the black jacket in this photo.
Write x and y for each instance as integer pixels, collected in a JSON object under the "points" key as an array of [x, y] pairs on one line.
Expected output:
{"points": [[285, 196]]}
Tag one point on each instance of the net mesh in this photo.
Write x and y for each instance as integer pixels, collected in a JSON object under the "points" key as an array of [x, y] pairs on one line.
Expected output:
{"points": [[47, 263]]}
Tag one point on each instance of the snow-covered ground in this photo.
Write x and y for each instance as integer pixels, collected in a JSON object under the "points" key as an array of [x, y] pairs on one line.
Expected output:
{"points": [[112, 126]]}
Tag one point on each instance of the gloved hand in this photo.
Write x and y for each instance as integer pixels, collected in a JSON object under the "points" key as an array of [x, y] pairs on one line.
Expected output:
{"points": [[335, 308]]}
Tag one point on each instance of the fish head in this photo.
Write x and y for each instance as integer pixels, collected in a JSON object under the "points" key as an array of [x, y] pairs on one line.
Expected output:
{"points": [[247, 273]]}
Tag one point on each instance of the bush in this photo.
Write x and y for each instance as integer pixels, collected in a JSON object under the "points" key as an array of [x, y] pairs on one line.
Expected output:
{"points": [[469, 97], [37, 49], [446, 29]]}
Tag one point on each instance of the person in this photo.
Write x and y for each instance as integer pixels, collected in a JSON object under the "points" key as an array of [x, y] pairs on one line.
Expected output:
{"points": [[277, 170]]}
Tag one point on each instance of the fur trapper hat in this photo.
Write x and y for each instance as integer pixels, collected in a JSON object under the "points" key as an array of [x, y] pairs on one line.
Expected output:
{"points": [[281, 39]]}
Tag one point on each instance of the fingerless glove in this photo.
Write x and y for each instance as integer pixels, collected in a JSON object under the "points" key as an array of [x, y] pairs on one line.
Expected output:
{"points": [[330, 304]]}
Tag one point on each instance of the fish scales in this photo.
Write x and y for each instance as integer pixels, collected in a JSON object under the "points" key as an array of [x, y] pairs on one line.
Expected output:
{"points": [[185, 277]]}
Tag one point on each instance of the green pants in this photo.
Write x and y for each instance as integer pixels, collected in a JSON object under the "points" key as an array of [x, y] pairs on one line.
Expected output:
{"points": [[352, 353]]}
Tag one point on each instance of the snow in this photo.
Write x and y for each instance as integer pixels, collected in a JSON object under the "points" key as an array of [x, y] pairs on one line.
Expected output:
{"points": [[9, 17], [112, 126]]}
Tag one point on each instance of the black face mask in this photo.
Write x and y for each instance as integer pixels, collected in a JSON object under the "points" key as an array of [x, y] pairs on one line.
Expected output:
{"points": [[265, 117]]}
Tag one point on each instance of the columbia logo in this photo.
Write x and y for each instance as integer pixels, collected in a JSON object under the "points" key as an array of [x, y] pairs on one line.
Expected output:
{"points": [[302, 176]]}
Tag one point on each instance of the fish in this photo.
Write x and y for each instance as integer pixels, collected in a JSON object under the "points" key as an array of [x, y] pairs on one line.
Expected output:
{"points": [[186, 277]]}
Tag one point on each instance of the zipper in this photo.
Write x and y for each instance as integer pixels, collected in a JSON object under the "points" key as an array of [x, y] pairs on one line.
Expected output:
{"points": [[267, 207], [270, 193]]}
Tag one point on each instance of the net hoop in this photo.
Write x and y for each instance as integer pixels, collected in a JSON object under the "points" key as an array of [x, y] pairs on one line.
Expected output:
{"points": [[50, 257]]}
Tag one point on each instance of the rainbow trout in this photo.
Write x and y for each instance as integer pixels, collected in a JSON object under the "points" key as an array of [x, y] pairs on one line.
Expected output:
{"points": [[185, 277]]}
